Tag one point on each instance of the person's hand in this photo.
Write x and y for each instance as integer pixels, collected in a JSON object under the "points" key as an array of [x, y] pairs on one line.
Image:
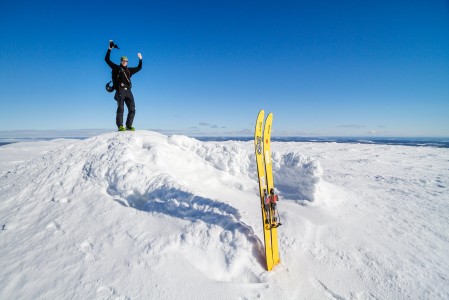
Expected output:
{"points": [[111, 44], [139, 55]]}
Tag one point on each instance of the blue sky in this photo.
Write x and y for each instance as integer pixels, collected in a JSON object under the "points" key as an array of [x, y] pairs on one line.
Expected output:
{"points": [[322, 67]]}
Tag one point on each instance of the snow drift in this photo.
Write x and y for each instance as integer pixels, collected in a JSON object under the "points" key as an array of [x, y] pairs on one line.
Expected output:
{"points": [[146, 216], [195, 195]]}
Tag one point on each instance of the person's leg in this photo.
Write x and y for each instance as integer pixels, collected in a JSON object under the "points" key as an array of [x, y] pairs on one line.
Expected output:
{"points": [[120, 108], [129, 100]]}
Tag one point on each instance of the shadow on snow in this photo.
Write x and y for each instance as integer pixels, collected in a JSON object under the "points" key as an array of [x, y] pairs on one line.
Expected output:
{"points": [[187, 206]]}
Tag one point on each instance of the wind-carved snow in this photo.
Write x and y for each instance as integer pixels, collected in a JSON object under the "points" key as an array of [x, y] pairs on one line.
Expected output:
{"points": [[159, 184], [206, 189], [296, 175], [166, 181], [143, 215]]}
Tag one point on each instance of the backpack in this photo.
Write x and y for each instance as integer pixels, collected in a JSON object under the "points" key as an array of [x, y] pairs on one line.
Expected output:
{"points": [[115, 73]]}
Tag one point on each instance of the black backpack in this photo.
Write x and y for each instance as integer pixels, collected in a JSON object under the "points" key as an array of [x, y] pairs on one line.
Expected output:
{"points": [[115, 73]]}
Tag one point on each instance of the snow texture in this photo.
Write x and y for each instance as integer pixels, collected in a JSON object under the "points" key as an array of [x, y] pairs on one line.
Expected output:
{"points": [[146, 216]]}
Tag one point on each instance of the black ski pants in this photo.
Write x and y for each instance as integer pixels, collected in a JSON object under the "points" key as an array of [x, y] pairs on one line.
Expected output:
{"points": [[125, 97]]}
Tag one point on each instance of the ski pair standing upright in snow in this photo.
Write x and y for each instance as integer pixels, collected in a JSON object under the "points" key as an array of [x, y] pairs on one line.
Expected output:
{"points": [[262, 144]]}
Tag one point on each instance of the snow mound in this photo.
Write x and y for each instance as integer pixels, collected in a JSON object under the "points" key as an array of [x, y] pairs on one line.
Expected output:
{"points": [[139, 215], [196, 194], [135, 169], [297, 176]]}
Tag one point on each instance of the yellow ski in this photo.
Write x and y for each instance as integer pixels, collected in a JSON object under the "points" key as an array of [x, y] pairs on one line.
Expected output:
{"points": [[270, 189], [258, 144]]}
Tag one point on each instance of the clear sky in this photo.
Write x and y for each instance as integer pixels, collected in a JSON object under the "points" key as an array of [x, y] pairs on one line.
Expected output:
{"points": [[322, 67]]}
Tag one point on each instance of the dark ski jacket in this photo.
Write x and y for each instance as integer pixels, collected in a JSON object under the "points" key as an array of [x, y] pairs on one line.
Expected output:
{"points": [[125, 75]]}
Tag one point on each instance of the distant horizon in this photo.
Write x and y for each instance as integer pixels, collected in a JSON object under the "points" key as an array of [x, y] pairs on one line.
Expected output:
{"points": [[85, 133]]}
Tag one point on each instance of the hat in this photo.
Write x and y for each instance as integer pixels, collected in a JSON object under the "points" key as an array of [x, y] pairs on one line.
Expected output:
{"points": [[124, 58]]}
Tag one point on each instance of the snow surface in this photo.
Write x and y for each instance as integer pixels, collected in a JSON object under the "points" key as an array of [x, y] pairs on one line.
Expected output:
{"points": [[147, 216]]}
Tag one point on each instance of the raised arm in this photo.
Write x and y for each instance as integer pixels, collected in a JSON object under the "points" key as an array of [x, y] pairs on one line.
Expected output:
{"points": [[138, 68], [107, 58]]}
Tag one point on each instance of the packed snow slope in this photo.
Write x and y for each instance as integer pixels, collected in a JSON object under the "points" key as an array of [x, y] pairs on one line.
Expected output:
{"points": [[145, 216]]}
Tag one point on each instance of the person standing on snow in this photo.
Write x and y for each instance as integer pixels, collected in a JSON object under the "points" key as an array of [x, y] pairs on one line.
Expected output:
{"points": [[122, 85]]}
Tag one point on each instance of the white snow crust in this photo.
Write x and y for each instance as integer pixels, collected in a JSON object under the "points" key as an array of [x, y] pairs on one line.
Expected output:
{"points": [[146, 216]]}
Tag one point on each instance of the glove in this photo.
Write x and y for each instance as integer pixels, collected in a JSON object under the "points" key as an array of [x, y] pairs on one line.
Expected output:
{"points": [[112, 45], [139, 55]]}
